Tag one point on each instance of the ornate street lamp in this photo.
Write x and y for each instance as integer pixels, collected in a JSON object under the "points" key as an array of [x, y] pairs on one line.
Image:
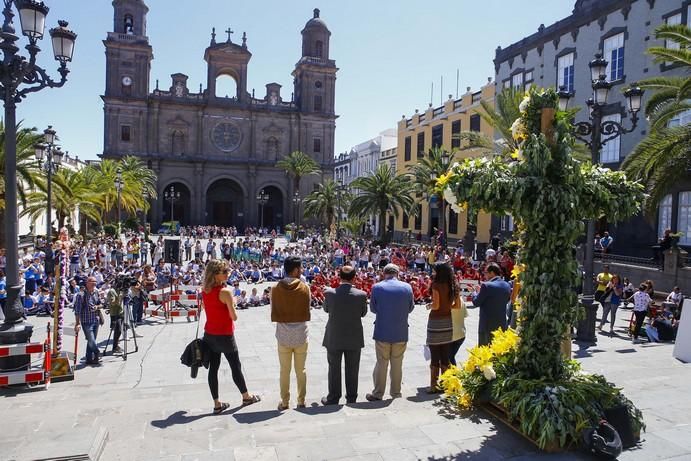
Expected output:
{"points": [[172, 196], [296, 207], [262, 199], [53, 159], [20, 76], [595, 133], [341, 190]]}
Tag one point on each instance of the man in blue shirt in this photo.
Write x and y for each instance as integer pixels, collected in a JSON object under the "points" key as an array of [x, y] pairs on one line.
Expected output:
{"points": [[391, 302], [491, 299]]}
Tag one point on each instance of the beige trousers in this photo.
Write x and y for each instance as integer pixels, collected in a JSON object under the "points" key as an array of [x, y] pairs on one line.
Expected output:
{"points": [[286, 357], [388, 353]]}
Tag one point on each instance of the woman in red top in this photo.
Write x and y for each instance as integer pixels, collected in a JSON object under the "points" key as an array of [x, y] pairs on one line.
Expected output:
{"points": [[218, 332]]}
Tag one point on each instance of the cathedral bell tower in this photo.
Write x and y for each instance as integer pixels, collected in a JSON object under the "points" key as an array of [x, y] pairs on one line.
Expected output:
{"points": [[315, 74], [128, 53]]}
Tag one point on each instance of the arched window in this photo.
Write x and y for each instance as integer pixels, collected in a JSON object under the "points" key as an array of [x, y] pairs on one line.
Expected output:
{"points": [[226, 86], [272, 148], [129, 24], [178, 143], [319, 49]]}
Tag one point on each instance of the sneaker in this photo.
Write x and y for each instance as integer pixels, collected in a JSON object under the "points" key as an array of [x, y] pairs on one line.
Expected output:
{"points": [[372, 398], [117, 350]]}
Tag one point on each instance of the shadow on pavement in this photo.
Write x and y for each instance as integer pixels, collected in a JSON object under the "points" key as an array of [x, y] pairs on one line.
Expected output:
{"points": [[256, 417], [585, 350], [371, 405], [316, 409], [181, 417], [423, 396]]}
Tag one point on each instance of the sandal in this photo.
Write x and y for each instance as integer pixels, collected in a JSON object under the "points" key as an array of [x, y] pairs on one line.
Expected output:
{"points": [[251, 400], [224, 406]]}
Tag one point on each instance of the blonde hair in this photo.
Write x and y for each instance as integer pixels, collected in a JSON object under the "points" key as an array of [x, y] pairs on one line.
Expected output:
{"points": [[213, 268]]}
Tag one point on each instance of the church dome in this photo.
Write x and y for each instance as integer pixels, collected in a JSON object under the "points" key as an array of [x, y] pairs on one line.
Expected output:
{"points": [[316, 22]]}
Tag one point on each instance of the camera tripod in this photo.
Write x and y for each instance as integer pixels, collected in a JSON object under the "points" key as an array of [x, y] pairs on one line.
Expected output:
{"points": [[126, 324]]}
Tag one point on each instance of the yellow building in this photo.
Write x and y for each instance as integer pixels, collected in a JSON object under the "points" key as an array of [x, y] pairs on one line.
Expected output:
{"points": [[436, 128]]}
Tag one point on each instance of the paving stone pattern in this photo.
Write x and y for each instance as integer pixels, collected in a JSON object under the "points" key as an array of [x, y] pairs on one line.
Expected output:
{"points": [[153, 410]]}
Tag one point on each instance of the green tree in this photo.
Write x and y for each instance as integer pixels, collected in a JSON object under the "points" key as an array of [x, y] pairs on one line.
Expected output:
{"points": [[139, 183], [298, 165], [353, 224], [424, 176], [664, 157], [381, 193], [325, 203], [70, 192], [27, 167]]}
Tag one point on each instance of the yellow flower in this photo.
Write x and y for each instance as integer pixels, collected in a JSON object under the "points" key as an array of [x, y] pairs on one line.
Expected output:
{"points": [[444, 179], [464, 401], [517, 269], [518, 155], [504, 341]]}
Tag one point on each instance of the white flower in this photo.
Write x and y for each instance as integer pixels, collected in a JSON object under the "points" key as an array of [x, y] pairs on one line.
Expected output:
{"points": [[488, 372], [457, 208], [524, 104], [517, 128], [450, 197]]}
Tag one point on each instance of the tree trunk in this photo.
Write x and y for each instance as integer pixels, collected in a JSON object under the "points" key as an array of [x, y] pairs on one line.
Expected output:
{"points": [[382, 225]]}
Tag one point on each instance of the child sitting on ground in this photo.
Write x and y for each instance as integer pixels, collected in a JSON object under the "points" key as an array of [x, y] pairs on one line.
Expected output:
{"points": [[242, 302], [254, 298], [265, 297]]}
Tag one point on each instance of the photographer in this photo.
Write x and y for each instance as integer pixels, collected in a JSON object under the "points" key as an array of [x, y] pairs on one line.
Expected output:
{"points": [[114, 306], [137, 296]]}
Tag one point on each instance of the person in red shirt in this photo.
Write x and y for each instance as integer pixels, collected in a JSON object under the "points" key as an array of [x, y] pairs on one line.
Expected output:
{"points": [[219, 332]]}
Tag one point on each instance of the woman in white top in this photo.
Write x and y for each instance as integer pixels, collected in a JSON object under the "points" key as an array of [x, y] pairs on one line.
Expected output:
{"points": [[641, 302], [458, 315]]}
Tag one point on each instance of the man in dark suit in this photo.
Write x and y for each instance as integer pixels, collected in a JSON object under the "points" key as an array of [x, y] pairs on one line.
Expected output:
{"points": [[491, 298], [346, 306]]}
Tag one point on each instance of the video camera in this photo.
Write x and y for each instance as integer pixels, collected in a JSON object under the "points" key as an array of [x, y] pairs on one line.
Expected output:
{"points": [[123, 282]]}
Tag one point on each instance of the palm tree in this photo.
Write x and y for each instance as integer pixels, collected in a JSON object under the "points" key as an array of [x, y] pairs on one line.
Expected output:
{"points": [[139, 183], [664, 157], [425, 173], [298, 165], [325, 203], [353, 224], [381, 193], [27, 167], [70, 192]]}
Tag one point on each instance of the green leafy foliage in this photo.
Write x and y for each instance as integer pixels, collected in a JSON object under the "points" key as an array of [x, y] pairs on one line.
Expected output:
{"points": [[549, 193]]}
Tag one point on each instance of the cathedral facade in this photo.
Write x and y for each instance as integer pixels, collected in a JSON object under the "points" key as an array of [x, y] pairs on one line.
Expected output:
{"points": [[218, 151]]}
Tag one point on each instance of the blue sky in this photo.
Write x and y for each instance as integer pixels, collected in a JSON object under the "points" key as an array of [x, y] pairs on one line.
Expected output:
{"points": [[388, 53]]}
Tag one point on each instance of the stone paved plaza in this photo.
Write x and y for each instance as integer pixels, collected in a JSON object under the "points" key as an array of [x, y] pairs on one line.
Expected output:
{"points": [[150, 408]]}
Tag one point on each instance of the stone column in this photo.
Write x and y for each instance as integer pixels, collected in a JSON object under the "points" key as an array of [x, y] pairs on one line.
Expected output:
{"points": [[251, 216], [198, 199]]}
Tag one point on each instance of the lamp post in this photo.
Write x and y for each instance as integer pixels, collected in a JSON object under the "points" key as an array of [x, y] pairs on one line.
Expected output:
{"points": [[172, 196], [17, 71], [445, 158], [341, 190], [296, 208], [262, 199], [595, 133], [119, 184], [53, 159]]}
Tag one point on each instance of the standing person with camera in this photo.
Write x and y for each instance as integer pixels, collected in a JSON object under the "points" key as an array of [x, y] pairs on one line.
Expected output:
{"points": [[114, 306], [86, 310], [219, 332]]}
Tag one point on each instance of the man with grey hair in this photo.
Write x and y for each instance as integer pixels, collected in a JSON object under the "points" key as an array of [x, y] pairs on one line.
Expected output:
{"points": [[391, 302]]}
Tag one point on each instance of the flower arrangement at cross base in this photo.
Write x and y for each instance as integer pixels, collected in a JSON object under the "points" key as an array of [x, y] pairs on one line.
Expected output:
{"points": [[549, 193]]}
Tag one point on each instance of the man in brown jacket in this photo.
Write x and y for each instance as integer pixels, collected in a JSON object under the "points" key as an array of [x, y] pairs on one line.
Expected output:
{"points": [[290, 309]]}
